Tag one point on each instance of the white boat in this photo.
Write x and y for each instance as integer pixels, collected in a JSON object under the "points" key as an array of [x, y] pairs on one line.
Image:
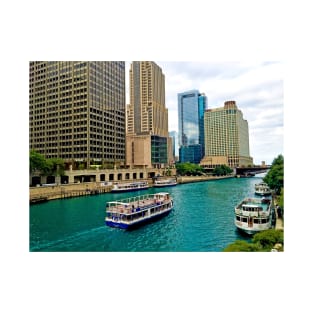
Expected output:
{"points": [[165, 183], [135, 211], [254, 214], [123, 187], [262, 189]]}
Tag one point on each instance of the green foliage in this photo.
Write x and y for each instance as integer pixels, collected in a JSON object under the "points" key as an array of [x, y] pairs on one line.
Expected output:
{"points": [[81, 166], [37, 161], [222, 170], [167, 172], [263, 241], [189, 169], [241, 246], [275, 176], [280, 198], [57, 167], [46, 166], [268, 238]]}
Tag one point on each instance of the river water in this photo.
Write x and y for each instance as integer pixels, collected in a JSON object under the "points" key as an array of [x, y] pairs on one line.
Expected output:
{"points": [[202, 220]]}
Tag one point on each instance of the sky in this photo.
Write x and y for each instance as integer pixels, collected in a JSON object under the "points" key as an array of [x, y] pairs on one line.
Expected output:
{"points": [[257, 88]]}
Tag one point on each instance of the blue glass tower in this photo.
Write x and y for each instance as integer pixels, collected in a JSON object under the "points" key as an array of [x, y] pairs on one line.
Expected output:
{"points": [[191, 108]]}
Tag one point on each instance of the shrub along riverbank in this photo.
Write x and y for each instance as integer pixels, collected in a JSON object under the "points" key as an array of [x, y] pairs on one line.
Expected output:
{"points": [[263, 241]]}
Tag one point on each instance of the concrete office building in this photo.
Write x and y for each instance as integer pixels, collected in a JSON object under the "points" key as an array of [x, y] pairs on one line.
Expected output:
{"points": [[191, 108], [174, 135], [226, 137], [148, 143], [77, 111]]}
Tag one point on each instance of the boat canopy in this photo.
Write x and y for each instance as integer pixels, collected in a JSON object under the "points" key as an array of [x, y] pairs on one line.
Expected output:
{"points": [[250, 206], [116, 203]]}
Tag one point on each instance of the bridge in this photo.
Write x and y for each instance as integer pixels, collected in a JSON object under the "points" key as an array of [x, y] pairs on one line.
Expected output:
{"points": [[252, 170]]}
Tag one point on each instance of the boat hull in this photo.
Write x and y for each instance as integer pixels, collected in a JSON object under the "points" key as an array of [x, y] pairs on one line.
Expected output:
{"points": [[128, 190], [251, 232], [165, 185], [138, 223], [263, 193]]}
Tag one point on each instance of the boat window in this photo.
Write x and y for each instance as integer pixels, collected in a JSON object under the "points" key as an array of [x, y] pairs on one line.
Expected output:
{"points": [[244, 219], [238, 218], [256, 221]]}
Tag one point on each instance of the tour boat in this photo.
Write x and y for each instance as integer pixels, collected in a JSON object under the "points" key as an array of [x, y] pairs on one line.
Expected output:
{"points": [[254, 214], [262, 189], [165, 183], [130, 186], [135, 211]]}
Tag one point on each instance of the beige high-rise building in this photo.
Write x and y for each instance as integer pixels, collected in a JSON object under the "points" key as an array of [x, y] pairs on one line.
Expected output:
{"points": [[226, 135], [147, 117], [77, 111]]}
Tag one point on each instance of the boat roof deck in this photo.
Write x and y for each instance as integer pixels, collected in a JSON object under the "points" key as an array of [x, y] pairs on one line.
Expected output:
{"points": [[143, 202], [252, 204]]}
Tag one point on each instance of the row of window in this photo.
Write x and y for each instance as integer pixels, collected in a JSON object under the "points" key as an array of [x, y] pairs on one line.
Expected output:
{"points": [[255, 220]]}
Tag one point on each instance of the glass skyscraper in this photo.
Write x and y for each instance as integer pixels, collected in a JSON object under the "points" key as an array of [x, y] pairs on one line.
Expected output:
{"points": [[191, 108]]}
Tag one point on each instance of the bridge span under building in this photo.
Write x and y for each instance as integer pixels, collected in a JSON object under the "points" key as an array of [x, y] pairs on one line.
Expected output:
{"points": [[251, 170]]}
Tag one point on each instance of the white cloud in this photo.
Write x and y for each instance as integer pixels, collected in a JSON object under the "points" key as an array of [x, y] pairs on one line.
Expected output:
{"points": [[257, 88]]}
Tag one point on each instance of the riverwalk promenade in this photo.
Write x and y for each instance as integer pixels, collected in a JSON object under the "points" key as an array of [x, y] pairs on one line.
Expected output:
{"points": [[279, 222], [61, 191]]}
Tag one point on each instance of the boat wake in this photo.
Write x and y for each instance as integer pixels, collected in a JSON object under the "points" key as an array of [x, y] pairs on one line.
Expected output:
{"points": [[66, 243]]}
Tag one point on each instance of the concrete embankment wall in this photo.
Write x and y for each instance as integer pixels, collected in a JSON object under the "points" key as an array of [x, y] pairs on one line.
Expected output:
{"points": [[194, 179], [37, 194], [65, 191]]}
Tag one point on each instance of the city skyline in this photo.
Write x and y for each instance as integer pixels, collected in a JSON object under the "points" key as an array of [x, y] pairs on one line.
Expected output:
{"points": [[257, 88]]}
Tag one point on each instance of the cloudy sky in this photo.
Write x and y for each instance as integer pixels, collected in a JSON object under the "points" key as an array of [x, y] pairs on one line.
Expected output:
{"points": [[256, 87]]}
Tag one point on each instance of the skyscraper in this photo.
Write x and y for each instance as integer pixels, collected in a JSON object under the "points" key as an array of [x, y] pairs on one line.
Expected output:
{"points": [[174, 135], [147, 116], [77, 111], [226, 137], [191, 108]]}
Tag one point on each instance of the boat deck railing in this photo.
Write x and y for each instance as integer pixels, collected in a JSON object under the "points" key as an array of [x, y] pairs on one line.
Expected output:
{"points": [[141, 183], [260, 213], [136, 204], [257, 207]]}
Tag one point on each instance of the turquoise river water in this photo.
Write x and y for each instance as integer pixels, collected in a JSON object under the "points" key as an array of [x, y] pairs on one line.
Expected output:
{"points": [[202, 220]]}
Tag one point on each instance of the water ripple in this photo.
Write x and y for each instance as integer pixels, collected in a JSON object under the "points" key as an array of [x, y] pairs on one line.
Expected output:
{"points": [[202, 220]]}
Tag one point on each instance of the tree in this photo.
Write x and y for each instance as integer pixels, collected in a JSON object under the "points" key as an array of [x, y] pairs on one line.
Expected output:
{"points": [[188, 169], [241, 246], [81, 166], [268, 238], [280, 199], [275, 176], [222, 170], [263, 241], [56, 166], [37, 162]]}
